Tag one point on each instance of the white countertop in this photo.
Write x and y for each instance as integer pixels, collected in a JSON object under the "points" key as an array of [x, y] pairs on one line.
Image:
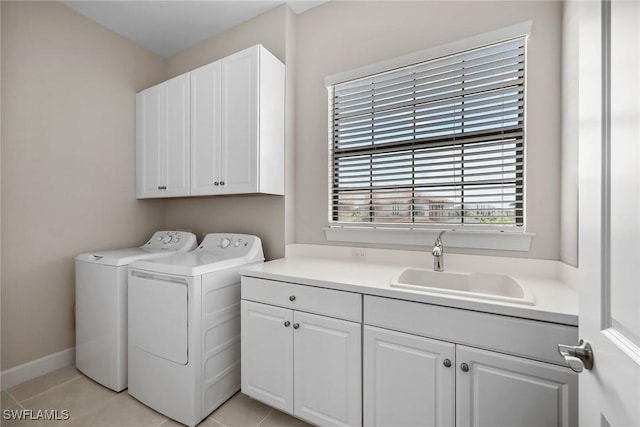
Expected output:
{"points": [[555, 300]]}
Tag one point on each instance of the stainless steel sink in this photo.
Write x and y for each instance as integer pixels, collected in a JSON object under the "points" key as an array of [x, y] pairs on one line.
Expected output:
{"points": [[497, 287]]}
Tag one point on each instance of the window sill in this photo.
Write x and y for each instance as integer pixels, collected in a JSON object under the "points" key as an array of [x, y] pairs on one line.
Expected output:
{"points": [[476, 239]]}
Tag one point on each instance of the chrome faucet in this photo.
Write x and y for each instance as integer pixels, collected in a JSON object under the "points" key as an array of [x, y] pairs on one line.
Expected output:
{"points": [[438, 253]]}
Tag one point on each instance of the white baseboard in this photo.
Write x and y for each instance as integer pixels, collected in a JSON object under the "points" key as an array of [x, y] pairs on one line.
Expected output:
{"points": [[36, 368]]}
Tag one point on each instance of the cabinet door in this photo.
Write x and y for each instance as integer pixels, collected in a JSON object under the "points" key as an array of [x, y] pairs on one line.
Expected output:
{"points": [[206, 131], [499, 390], [267, 354], [149, 142], [177, 136], [406, 382], [239, 164], [327, 370]]}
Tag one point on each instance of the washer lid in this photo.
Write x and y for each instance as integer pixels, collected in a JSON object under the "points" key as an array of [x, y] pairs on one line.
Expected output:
{"points": [[162, 243], [120, 257]]}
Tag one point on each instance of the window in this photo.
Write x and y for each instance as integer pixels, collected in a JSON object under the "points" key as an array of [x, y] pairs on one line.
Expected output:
{"points": [[438, 143]]}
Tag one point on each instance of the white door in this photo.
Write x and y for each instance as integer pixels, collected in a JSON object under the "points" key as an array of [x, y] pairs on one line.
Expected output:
{"points": [[239, 165], [177, 137], [149, 142], [496, 390], [408, 380], [267, 354], [327, 370], [609, 248], [206, 131]]}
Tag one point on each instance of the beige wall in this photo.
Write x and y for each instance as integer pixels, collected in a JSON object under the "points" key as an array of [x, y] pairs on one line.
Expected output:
{"points": [[260, 215], [340, 36], [68, 156]]}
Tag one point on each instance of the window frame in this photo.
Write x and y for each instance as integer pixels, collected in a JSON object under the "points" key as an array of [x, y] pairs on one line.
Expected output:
{"points": [[513, 237]]}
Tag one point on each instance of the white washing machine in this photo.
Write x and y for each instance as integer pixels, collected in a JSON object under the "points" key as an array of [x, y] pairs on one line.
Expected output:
{"points": [[101, 305], [184, 326]]}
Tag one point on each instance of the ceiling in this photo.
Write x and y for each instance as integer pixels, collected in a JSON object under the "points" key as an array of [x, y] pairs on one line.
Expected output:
{"points": [[167, 27]]}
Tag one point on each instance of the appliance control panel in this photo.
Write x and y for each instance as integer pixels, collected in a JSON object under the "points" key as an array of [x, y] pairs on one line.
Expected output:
{"points": [[229, 244], [171, 240]]}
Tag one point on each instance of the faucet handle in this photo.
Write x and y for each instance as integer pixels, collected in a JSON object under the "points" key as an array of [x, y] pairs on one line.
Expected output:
{"points": [[437, 251]]}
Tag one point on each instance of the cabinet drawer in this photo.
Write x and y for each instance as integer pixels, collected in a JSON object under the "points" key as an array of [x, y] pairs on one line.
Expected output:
{"points": [[521, 337], [327, 302]]}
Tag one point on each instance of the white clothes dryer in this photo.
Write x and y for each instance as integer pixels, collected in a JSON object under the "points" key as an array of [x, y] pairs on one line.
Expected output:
{"points": [[184, 326], [101, 305]]}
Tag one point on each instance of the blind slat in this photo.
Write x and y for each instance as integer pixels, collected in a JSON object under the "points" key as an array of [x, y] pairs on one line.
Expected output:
{"points": [[429, 68], [503, 134], [414, 85], [449, 96], [470, 100]]}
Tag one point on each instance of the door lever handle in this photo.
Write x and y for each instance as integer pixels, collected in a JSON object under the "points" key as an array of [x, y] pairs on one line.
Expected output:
{"points": [[578, 357]]}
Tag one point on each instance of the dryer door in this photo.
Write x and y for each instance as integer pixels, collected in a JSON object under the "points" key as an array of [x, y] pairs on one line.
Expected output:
{"points": [[158, 315]]}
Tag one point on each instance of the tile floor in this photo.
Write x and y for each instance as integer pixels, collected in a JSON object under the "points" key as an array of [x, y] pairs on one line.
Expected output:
{"points": [[92, 405]]}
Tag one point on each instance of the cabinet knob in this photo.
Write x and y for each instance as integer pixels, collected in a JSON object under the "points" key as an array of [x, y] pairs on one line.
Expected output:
{"points": [[221, 182], [296, 325], [216, 183], [286, 323], [464, 367], [292, 298], [446, 363]]}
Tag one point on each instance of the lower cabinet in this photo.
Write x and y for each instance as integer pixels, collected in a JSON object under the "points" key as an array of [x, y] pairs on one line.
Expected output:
{"points": [[415, 381], [502, 390], [303, 364], [306, 352], [427, 365], [267, 354], [406, 380]]}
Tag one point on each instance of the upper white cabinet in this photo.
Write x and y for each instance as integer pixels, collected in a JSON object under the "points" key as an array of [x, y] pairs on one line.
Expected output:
{"points": [[235, 128], [206, 128], [162, 140]]}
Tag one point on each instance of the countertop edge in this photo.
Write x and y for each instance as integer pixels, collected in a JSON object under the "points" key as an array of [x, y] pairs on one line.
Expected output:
{"points": [[491, 307]]}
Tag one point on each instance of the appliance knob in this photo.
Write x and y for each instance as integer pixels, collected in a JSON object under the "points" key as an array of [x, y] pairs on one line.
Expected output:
{"points": [[237, 243], [224, 243], [167, 239]]}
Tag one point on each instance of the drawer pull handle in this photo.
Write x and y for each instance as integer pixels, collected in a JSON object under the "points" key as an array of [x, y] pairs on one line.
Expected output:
{"points": [[292, 298], [446, 363], [464, 367], [286, 323], [296, 325]]}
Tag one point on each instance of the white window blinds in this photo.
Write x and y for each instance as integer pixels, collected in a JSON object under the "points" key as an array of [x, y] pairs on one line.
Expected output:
{"points": [[439, 142]]}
